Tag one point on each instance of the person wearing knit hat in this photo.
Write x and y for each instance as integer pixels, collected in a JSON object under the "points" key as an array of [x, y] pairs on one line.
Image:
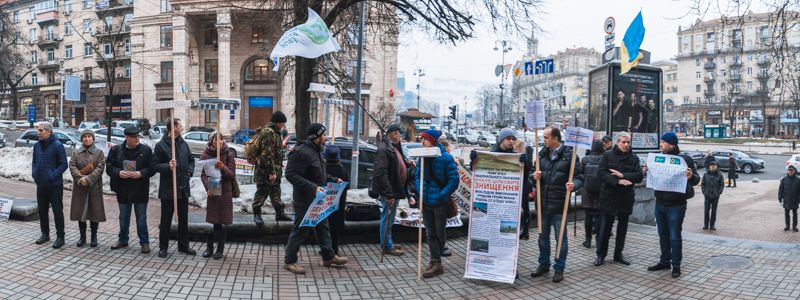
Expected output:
{"points": [[278, 118], [789, 196], [86, 166], [671, 209], [269, 168], [432, 136], [390, 180]]}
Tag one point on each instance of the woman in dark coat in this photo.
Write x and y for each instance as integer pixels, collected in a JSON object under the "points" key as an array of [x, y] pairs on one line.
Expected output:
{"points": [[732, 167], [219, 208], [86, 166], [336, 171]]}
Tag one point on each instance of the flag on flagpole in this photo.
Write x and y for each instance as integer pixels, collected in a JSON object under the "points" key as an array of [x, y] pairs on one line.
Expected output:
{"points": [[629, 50], [310, 40]]}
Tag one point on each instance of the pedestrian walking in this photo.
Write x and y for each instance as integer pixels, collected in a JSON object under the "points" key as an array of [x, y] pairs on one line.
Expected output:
{"points": [[390, 179], [164, 164], [711, 186], [591, 191], [269, 168], [671, 209], [789, 196], [306, 171], [619, 171], [47, 169], [130, 166], [86, 166], [336, 173], [732, 167], [440, 182], [219, 205]]}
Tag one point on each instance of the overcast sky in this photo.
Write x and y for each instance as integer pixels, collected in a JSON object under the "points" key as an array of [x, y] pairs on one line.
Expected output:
{"points": [[577, 24]]}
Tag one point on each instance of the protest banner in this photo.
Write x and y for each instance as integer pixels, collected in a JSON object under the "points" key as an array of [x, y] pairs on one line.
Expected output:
{"points": [[492, 242], [244, 168], [412, 219], [576, 138], [464, 192], [323, 205], [535, 118], [666, 173], [5, 209]]}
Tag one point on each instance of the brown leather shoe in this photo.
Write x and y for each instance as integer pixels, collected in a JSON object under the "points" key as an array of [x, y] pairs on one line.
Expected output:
{"points": [[118, 246], [294, 268], [394, 252], [146, 249], [434, 269], [336, 261]]}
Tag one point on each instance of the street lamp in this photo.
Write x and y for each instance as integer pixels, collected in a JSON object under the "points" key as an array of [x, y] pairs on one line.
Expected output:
{"points": [[505, 46], [419, 73]]}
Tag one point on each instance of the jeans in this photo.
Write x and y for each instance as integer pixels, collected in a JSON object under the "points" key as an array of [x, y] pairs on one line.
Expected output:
{"points": [[141, 222], [299, 234], [604, 233], [387, 213], [786, 215], [45, 198], [669, 220], [435, 219], [166, 221], [710, 211], [552, 221]]}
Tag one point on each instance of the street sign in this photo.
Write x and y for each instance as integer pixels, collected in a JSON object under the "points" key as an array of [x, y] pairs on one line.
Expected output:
{"points": [[31, 113], [609, 25], [544, 66], [528, 68]]}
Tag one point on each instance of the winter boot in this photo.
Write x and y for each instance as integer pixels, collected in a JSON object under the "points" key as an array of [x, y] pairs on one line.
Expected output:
{"points": [[220, 244], [82, 240], [280, 215], [209, 246], [434, 269], [257, 216], [94, 226]]}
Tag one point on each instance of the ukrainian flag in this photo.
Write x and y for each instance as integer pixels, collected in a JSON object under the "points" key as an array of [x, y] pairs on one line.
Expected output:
{"points": [[629, 50]]}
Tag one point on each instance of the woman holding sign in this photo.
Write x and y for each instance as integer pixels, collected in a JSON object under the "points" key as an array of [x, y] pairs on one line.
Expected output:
{"points": [[219, 210]]}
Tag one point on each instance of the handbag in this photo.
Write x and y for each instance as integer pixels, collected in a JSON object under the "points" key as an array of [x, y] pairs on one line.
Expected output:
{"points": [[235, 187], [361, 212]]}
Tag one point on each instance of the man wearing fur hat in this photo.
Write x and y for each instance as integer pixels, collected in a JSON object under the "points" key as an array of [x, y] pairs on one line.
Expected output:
{"points": [[269, 168]]}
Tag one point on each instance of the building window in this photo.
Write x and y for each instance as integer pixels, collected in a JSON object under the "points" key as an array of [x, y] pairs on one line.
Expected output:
{"points": [[127, 70], [166, 36], [697, 100], [51, 55], [259, 36], [212, 116], [33, 57], [723, 87], [697, 88], [126, 22], [18, 38], [34, 79], [108, 50], [31, 13], [258, 70], [777, 83], [32, 34], [697, 75], [87, 4], [68, 51], [87, 73], [686, 100], [749, 85], [353, 64], [51, 77], [210, 35], [87, 25], [108, 23], [68, 28], [697, 62], [749, 71], [166, 6], [87, 49], [67, 6], [166, 72], [16, 16], [211, 70], [128, 47]]}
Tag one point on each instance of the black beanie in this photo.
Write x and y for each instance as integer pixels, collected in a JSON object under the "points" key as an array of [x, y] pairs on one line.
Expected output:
{"points": [[316, 130], [278, 117]]}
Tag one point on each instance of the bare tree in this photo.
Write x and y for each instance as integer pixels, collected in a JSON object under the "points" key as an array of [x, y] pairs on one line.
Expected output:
{"points": [[384, 114], [13, 66]]}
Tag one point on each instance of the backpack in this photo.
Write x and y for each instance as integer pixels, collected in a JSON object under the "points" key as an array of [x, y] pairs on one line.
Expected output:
{"points": [[252, 148], [593, 182]]}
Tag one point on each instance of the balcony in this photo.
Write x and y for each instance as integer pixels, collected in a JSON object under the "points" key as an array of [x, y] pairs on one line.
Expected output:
{"points": [[763, 60], [736, 77], [736, 91], [111, 58], [763, 75], [48, 41], [47, 18], [113, 30], [709, 93], [107, 7], [45, 64], [710, 65], [709, 79], [736, 63]]}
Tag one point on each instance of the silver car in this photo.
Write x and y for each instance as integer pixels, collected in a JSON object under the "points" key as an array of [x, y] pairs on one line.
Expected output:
{"points": [[69, 139], [198, 140]]}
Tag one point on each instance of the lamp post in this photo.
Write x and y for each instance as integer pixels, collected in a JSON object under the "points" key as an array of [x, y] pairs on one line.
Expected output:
{"points": [[419, 73], [505, 46]]}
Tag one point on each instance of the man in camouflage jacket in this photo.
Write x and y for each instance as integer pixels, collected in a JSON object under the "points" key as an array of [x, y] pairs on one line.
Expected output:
{"points": [[269, 168]]}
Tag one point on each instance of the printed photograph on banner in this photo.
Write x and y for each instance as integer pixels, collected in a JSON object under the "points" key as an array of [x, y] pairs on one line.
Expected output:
{"points": [[636, 106], [508, 227], [479, 245]]}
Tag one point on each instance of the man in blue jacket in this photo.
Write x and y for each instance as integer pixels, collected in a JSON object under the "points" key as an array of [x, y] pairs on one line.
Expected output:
{"points": [[49, 164], [441, 180]]}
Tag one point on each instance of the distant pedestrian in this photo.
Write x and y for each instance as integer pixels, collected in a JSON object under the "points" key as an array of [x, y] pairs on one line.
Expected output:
{"points": [[709, 158], [794, 145], [49, 164], [86, 166], [732, 167], [711, 186], [789, 196]]}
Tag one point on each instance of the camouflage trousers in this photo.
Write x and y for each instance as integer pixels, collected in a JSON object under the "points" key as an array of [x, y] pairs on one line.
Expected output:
{"points": [[264, 190]]}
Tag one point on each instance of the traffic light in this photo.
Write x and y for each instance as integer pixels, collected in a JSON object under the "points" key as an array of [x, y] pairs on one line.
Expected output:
{"points": [[563, 100], [453, 112]]}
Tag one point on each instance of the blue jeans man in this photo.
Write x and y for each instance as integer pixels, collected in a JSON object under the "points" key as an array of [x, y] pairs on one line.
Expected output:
{"points": [[552, 221], [669, 220], [387, 215], [140, 209]]}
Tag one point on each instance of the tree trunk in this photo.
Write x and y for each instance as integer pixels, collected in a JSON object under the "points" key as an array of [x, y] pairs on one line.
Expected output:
{"points": [[302, 79], [14, 104]]}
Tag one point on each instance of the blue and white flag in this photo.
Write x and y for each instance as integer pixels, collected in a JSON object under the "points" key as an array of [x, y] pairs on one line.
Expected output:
{"points": [[310, 40]]}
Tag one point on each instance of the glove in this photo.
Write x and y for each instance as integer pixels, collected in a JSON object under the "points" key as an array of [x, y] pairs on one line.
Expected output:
{"points": [[523, 158], [473, 155]]}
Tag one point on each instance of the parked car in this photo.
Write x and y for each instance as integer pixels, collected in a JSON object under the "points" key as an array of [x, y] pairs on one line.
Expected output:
{"points": [[472, 138], [123, 124], [143, 124], [197, 141], [202, 129], [746, 162], [366, 157], [2, 140], [241, 136], [698, 157], [290, 141], [156, 132], [117, 134], [794, 161], [30, 137], [89, 125]]}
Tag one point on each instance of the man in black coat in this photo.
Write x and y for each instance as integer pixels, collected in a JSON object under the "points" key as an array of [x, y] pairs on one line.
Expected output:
{"points": [[390, 182], [306, 171], [789, 195], [671, 209], [555, 159], [619, 171], [164, 163], [129, 166], [336, 173]]}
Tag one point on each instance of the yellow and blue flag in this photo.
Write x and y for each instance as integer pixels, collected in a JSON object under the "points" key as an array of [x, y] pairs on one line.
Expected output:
{"points": [[629, 50]]}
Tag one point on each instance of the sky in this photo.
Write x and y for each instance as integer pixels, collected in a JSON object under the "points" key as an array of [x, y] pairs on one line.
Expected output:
{"points": [[565, 23]]}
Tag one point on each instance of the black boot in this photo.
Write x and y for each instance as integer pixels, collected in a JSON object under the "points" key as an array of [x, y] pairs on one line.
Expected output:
{"points": [[220, 244], [209, 245], [257, 216], [82, 229], [94, 226], [280, 215]]}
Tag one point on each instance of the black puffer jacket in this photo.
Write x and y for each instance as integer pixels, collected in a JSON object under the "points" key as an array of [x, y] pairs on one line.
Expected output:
{"points": [[592, 183], [615, 197], [306, 171], [675, 198], [385, 181], [185, 169], [789, 192], [712, 185], [555, 174]]}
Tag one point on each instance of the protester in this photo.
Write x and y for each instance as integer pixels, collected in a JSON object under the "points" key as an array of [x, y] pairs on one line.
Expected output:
{"points": [[711, 186], [619, 171], [608, 142], [130, 166], [390, 183], [306, 172], [269, 169], [164, 164], [732, 167], [333, 165], [555, 160], [789, 196], [86, 166], [441, 180], [48, 166], [219, 208], [671, 209], [591, 191], [449, 148]]}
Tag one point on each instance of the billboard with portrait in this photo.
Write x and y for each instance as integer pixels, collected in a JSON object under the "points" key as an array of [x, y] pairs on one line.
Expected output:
{"points": [[636, 105]]}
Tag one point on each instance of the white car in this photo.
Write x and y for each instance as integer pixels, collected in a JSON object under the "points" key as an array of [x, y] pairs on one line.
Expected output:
{"points": [[197, 141], [794, 161], [89, 125]]}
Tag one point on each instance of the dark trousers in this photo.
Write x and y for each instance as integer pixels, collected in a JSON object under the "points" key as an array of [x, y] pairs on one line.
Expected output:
{"points": [[337, 223], [591, 222], [604, 233], [525, 218], [45, 198], [298, 235], [435, 220], [166, 221], [669, 220], [786, 215], [710, 211], [732, 178]]}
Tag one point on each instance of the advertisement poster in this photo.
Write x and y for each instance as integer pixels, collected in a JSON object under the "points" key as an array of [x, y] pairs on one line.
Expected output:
{"points": [[323, 205], [636, 103], [666, 173], [492, 244], [5, 209]]}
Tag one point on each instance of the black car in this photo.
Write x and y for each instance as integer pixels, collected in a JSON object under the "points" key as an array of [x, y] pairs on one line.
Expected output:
{"points": [[698, 157], [366, 157], [143, 124], [745, 162], [201, 128]]}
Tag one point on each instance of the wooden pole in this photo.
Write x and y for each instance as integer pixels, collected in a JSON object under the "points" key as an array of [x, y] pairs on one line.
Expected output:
{"points": [[538, 181], [175, 170], [219, 133], [566, 203], [419, 231]]}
